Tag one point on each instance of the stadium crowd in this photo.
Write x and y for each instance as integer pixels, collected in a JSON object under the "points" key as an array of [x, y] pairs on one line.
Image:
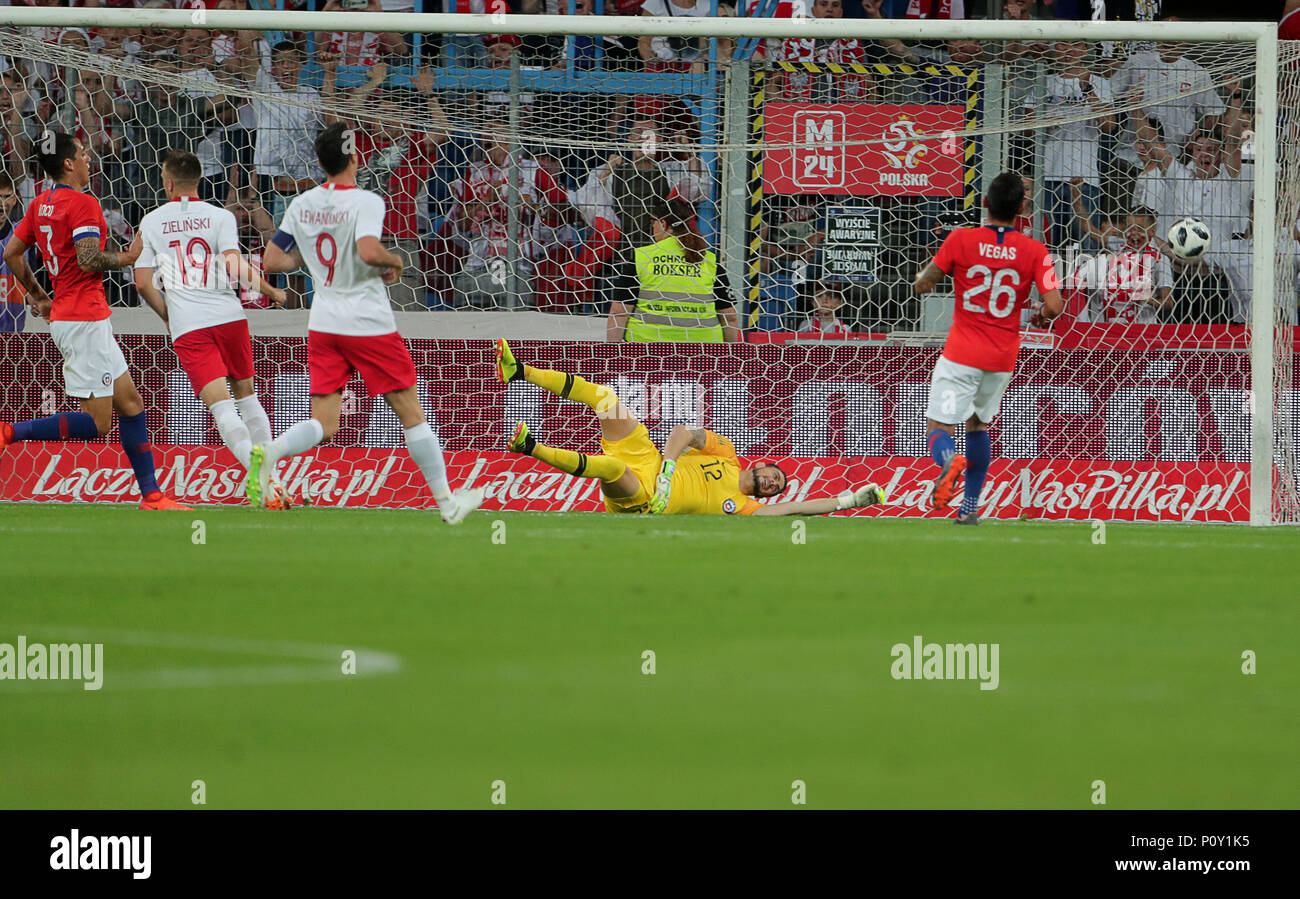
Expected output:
{"points": [[560, 238]]}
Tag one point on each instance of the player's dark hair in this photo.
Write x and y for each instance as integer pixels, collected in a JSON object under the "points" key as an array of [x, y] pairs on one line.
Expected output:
{"points": [[679, 216], [183, 166], [64, 147], [1005, 196], [329, 148], [1143, 212], [284, 47]]}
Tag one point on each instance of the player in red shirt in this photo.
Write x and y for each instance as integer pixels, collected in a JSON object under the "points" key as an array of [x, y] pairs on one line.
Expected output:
{"points": [[1289, 28], [67, 226], [993, 268]]}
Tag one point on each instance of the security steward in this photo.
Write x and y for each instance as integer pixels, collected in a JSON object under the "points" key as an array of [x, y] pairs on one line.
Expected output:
{"points": [[681, 291]]}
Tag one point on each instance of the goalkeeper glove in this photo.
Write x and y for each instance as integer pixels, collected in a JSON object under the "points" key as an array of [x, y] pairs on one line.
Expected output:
{"points": [[663, 487], [866, 495]]}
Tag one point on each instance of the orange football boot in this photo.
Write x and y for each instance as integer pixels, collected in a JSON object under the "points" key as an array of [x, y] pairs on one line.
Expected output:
{"points": [[163, 503], [945, 486]]}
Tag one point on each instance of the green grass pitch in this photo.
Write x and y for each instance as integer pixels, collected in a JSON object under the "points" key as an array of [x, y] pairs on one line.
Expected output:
{"points": [[521, 661]]}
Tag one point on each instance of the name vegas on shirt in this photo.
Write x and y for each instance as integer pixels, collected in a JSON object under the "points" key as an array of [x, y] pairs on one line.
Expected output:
{"points": [[997, 251]]}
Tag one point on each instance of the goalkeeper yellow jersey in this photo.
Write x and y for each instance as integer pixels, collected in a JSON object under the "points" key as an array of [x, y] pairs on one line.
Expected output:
{"points": [[707, 481]]}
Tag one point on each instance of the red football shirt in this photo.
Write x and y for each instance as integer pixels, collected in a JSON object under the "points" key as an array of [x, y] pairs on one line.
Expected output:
{"points": [[992, 267], [1289, 28], [54, 221], [405, 187]]}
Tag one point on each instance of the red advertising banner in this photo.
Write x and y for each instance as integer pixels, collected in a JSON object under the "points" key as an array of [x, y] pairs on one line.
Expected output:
{"points": [[1084, 433], [368, 478], [809, 149]]}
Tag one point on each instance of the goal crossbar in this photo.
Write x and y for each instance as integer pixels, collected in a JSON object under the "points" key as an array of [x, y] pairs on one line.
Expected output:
{"points": [[733, 27]]}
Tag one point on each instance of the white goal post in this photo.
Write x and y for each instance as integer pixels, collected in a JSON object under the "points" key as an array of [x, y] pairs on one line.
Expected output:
{"points": [[1264, 319]]}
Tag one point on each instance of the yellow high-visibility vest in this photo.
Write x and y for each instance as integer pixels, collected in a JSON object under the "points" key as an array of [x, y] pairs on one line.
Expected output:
{"points": [[675, 301]]}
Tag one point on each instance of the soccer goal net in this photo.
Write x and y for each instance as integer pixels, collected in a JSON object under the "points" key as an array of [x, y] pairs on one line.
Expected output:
{"points": [[523, 159]]}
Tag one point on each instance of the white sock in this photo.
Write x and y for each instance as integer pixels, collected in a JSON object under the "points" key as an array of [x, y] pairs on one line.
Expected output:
{"points": [[254, 416], [232, 430], [426, 451], [298, 439]]}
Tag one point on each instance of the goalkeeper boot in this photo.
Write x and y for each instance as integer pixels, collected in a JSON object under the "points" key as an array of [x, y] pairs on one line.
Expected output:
{"points": [[522, 442], [507, 368], [945, 486], [462, 503], [972, 518], [159, 501]]}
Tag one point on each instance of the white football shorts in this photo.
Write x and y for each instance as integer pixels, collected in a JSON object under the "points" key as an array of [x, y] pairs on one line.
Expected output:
{"points": [[959, 391], [92, 360]]}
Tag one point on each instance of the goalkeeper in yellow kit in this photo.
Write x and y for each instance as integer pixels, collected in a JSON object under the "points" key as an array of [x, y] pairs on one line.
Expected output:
{"points": [[697, 473]]}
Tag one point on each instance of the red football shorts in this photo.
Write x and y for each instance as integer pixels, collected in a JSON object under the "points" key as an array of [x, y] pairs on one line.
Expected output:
{"points": [[217, 352], [383, 361]]}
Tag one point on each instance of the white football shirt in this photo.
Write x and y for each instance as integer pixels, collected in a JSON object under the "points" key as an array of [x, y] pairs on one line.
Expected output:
{"points": [[183, 242], [349, 296]]}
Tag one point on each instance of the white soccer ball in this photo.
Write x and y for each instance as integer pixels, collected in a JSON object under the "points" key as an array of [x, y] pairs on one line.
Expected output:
{"points": [[1189, 238]]}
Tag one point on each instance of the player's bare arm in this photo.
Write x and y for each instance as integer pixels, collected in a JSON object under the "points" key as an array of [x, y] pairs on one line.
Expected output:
{"points": [[16, 258], [927, 278], [1048, 310], [90, 258], [144, 285], [372, 253], [275, 260], [730, 319], [241, 272], [616, 324]]}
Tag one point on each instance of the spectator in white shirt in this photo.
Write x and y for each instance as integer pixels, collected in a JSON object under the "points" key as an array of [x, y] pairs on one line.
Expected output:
{"points": [[1174, 90], [284, 155], [1073, 93], [1152, 188], [1211, 189], [197, 57], [674, 49], [1208, 186], [359, 48]]}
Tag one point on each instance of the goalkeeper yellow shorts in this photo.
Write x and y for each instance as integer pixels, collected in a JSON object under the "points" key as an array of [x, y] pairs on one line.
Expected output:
{"points": [[638, 452]]}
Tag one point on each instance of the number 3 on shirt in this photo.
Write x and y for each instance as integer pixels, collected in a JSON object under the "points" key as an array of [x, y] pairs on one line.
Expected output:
{"points": [[1000, 286], [51, 261], [327, 261]]}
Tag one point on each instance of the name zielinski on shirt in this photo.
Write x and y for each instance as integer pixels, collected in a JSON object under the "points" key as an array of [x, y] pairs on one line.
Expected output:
{"points": [[183, 226]]}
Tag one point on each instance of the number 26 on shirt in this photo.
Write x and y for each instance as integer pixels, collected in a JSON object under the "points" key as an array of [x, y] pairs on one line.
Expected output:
{"points": [[1001, 287]]}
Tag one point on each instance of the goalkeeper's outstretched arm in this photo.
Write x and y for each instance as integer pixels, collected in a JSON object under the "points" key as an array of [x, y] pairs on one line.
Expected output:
{"points": [[866, 495]]}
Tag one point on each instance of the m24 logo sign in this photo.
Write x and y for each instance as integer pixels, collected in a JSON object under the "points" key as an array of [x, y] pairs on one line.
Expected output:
{"points": [[863, 149]]}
